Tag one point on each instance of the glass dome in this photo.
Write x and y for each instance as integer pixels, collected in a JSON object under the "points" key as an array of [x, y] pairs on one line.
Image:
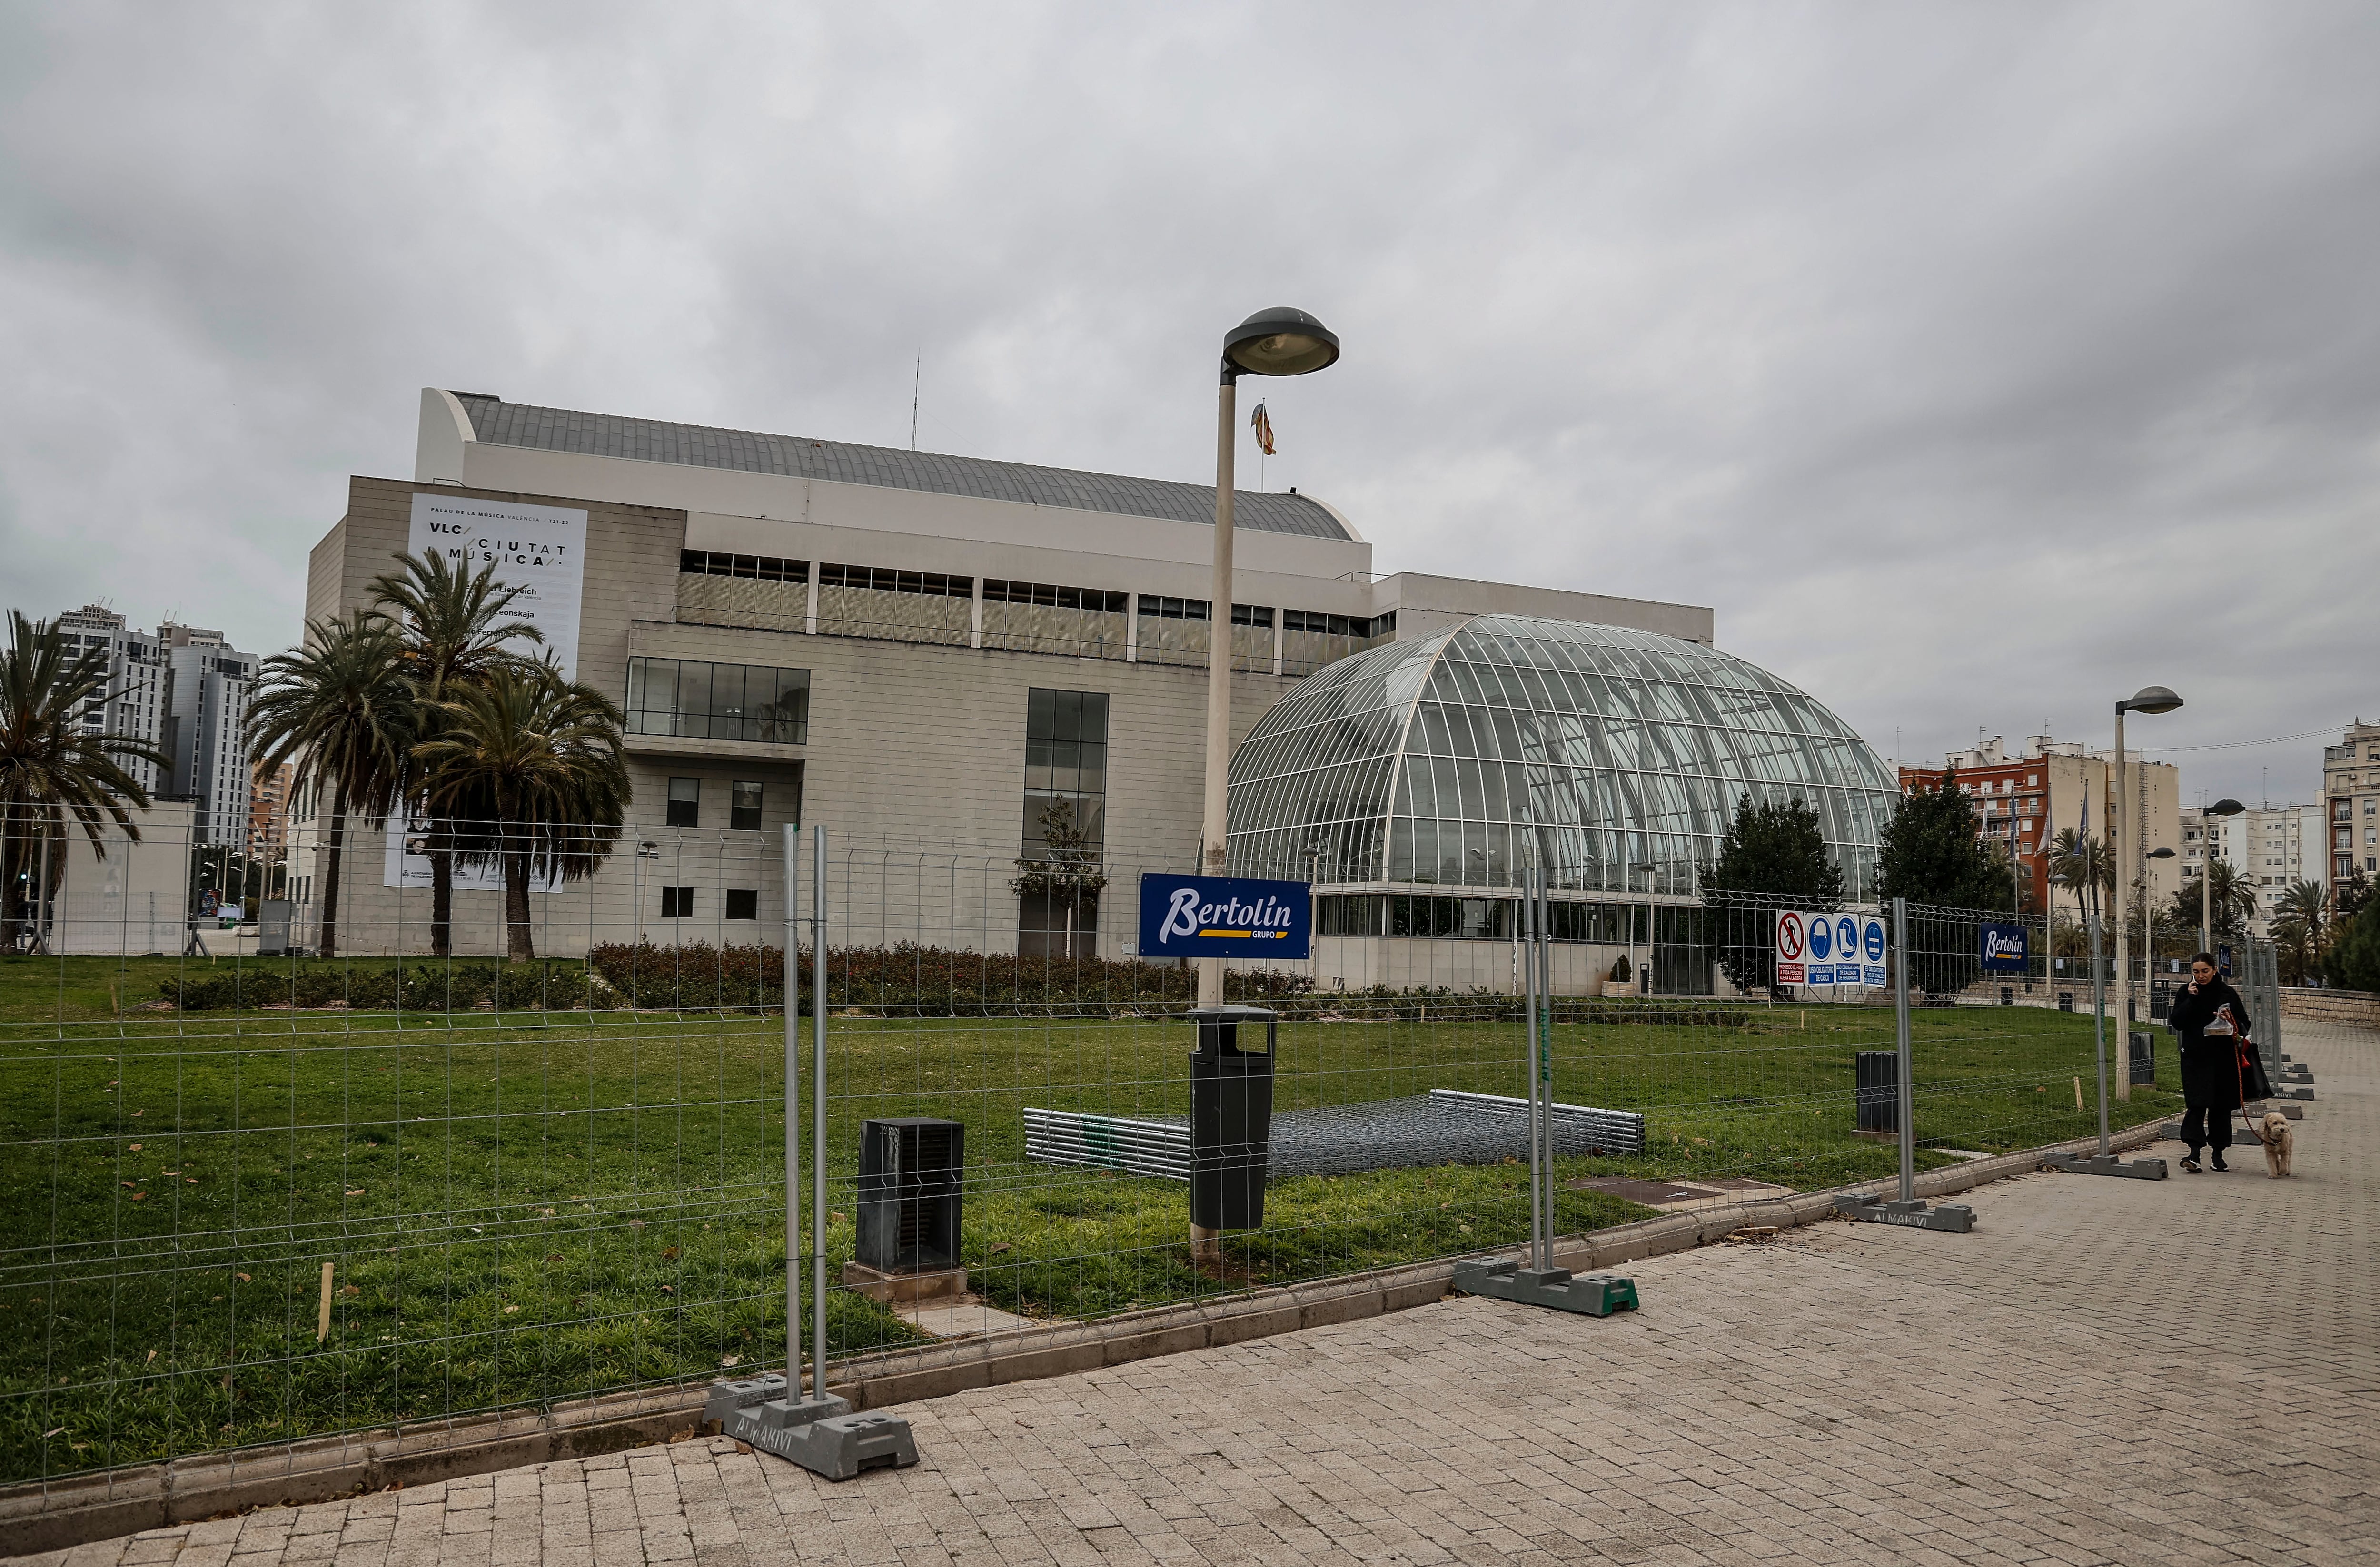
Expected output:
{"points": [[1595, 750]]}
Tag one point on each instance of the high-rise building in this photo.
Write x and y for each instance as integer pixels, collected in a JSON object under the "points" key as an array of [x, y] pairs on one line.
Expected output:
{"points": [[268, 809], [2350, 791], [2024, 799], [211, 681], [2269, 849], [135, 700]]}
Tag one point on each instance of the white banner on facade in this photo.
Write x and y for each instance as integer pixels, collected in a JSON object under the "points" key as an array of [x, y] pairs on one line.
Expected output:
{"points": [[541, 550]]}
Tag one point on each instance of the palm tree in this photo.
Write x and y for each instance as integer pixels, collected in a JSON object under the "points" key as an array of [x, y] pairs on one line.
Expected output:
{"points": [[2307, 903], [55, 772], [533, 765], [2221, 893], [456, 624], [338, 705], [2082, 865]]}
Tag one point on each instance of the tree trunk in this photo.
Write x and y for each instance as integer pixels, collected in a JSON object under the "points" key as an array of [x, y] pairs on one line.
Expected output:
{"points": [[518, 946], [331, 879], [442, 888]]}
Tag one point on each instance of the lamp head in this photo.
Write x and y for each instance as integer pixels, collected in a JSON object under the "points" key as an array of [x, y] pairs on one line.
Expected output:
{"points": [[2150, 699], [1279, 341], [2160, 853], [2225, 808]]}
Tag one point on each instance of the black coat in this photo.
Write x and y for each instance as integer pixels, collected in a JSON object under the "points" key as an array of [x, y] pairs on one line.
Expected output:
{"points": [[2210, 1067]]}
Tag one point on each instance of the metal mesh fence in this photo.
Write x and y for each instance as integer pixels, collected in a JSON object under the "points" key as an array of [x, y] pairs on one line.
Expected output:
{"points": [[264, 1197]]}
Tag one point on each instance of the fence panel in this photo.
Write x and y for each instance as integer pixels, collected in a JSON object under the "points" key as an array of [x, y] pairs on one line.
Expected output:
{"points": [[541, 1154]]}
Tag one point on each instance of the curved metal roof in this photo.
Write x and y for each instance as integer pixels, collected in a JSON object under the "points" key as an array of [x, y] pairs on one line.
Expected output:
{"points": [[525, 425], [1458, 758]]}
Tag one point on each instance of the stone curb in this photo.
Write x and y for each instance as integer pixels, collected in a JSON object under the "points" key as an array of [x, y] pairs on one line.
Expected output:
{"points": [[41, 1517]]}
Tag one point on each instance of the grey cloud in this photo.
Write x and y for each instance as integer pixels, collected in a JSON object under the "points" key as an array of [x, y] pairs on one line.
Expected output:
{"points": [[1977, 364]]}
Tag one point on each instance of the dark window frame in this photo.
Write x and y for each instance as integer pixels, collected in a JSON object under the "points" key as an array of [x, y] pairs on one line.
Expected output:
{"points": [[745, 899], [693, 807], [737, 811]]}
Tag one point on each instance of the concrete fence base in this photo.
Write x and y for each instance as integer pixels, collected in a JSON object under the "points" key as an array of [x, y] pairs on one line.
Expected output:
{"points": [[54, 1516]]}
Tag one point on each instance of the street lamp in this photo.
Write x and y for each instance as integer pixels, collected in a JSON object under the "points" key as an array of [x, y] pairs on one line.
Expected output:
{"points": [[2148, 699], [2206, 871], [1280, 342]]}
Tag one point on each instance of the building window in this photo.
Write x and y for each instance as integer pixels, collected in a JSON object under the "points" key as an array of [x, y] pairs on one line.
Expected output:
{"points": [[1050, 595], [765, 568], [684, 803], [1337, 625], [677, 903], [700, 701], [1064, 823], [743, 903], [1251, 615], [884, 579], [1157, 607], [743, 809]]}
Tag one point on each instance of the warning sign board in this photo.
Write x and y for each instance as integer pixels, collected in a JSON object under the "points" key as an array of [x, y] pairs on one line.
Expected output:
{"points": [[1829, 949]]}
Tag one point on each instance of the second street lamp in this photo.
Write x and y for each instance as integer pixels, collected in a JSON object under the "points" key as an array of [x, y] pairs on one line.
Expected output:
{"points": [[2148, 699]]}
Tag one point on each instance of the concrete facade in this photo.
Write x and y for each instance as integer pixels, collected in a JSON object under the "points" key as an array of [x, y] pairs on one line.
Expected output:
{"points": [[916, 731]]}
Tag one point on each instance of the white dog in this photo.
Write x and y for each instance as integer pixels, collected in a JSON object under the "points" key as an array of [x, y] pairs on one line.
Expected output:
{"points": [[2279, 1142]]}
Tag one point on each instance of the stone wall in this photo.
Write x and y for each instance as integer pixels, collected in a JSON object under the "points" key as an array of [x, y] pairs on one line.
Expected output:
{"points": [[2332, 1006]]}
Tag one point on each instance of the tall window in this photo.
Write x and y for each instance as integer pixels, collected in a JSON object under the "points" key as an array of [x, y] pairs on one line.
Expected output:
{"points": [[684, 803], [744, 807], [1064, 825]]}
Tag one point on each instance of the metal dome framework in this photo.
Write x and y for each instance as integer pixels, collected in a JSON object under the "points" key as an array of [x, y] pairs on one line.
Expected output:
{"points": [[1458, 760]]}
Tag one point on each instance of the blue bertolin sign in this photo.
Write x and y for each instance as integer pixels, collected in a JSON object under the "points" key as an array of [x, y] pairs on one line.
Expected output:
{"points": [[2006, 949], [1184, 916]]}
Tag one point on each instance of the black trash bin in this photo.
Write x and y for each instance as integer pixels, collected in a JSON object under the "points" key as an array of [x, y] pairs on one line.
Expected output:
{"points": [[2142, 1064], [1231, 1116], [1876, 1098], [910, 1170]]}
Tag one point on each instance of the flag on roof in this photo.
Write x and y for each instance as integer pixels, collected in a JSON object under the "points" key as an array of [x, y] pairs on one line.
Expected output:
{"points": [[1264, 429]]}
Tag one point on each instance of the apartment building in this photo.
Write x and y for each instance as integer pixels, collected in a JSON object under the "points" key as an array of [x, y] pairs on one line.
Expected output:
{"points": [[137, 700], [2024, 796], [2351, 792], [209, 696], [2270, 849]]}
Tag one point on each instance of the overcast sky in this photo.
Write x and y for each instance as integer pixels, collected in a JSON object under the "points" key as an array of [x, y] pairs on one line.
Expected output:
{"points": [[1978, 364]]}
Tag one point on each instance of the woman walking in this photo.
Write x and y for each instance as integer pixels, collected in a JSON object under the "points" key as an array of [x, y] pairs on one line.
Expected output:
{"points": [[2212, 1020]]}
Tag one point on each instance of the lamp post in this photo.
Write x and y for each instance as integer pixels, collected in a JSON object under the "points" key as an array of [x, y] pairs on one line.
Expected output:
{"points": [[1280, 342], [2148, 699], [2206, 871], [1645, 975], [2148, 926]]}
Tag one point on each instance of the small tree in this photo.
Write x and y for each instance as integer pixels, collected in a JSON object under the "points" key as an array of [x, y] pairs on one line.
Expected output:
{"points": [[1775, 851], [1064, 874], [2354, 958], [2352, 894]]}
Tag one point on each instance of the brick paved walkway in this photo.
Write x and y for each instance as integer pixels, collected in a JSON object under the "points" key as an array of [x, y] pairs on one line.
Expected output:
{"points": [[2106, 1371]]}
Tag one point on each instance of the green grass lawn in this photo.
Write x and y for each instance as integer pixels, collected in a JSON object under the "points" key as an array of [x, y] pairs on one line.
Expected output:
{"points": [[525, 1207]]}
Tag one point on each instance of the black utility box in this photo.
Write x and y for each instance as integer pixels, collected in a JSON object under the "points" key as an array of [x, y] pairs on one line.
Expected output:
{"points": [[2142, 1064], [910, 1167], [1231, 1116], [1876, 1098]]}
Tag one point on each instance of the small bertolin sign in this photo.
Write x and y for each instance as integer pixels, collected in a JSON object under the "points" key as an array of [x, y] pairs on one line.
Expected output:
{"points": [[2005, 949], [1187, 916]]}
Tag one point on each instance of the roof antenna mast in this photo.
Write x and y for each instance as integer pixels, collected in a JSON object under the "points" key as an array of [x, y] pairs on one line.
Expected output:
{"points": [[917, 384]]}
